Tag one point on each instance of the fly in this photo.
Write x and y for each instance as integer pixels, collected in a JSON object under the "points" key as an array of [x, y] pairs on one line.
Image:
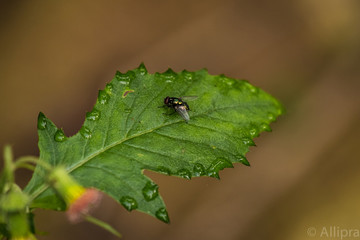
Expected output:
{"points": [[179, 106]]}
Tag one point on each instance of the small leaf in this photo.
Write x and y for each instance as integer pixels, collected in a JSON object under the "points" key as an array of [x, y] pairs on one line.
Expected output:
{"points": [[127, 132]]}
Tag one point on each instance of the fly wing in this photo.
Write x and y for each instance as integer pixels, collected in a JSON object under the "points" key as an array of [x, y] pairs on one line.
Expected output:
{"points": [[189, 98], [181, 110]]}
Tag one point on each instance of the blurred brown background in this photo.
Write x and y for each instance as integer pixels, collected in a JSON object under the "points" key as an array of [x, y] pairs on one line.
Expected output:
{"points": [[304, 176]]}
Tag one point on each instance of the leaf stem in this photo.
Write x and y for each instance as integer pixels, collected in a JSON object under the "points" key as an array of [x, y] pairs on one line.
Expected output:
{"points": [[32, 159], [103, 225]]}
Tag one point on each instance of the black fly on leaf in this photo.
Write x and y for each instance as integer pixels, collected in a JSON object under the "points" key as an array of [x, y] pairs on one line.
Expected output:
{"points": [[179, 106]]}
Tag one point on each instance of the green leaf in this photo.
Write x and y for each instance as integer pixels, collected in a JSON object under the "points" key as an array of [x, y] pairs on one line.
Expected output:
{"points": [[127, 132]]}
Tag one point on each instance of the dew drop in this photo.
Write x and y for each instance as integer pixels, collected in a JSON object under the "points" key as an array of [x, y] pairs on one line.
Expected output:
{"points": [[226, 80], [221, 77], [142, 69], [253, 132], [184, 173], [41, 124], [214, 174], [250, 87], [109, 87], [217, 165], [122, 77], [93, 115], [125, 78], [248, 141], [103, 97], [164, 170], [85, 132], [199, 170], [150, 191], [129, 203], [229, 81], [188, 76], [265, 127], [253, 89], [244, 161], [162, 215], [59, 136], [271, 117], [169, 75]]}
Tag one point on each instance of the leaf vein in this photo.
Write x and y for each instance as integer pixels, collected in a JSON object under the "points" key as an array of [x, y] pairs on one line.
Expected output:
{"points": [[199, 143], [114, 175]]}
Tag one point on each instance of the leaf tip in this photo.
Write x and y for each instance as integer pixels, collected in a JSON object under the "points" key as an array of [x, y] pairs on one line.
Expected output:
{"points": [[244, 161], [42, 121], [162, 215], [142, 69]]}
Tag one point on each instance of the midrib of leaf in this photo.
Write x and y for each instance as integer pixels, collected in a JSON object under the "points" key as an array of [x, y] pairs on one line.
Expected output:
{"points": [[44, 186]]}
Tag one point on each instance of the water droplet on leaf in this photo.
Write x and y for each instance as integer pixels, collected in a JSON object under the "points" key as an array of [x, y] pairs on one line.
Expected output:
{"points": [[150, 191], [41, 124], [93, 115], [59, 136], [129, 203], [199, 170], [169, 75], [271, 117], [248, 141], [162, 215], [253, 89], [184, 173], [253, 132], [265, 127], [214, 174], [244, 161], [85, 132], [142, 69], [188, 76], [103, 97], [250, 87], [228, 81], [125, 78], [109, 87], [217, 165], [164, 170], [122, 77]]}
